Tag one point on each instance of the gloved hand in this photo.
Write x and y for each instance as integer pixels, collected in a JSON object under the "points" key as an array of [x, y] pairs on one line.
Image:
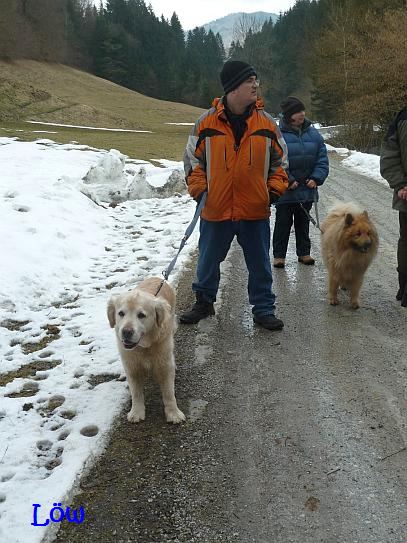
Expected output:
{"points": [[273, 197], [293, 185]]}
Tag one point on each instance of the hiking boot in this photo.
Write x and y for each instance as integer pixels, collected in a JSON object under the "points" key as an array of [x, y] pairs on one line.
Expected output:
{"points": [[271, 322], [279, 262], [307, 260], [200, 310]]}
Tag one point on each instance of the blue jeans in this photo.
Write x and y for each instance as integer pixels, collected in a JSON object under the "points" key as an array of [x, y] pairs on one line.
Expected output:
{"points": [[214, 243]]}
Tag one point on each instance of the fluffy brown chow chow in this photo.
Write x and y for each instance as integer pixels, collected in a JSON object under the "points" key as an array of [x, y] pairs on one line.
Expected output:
{"points": [[349, 244]]}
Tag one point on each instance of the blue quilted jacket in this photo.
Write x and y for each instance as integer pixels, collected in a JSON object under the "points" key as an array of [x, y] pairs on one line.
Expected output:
{"points": [[307, 159]]}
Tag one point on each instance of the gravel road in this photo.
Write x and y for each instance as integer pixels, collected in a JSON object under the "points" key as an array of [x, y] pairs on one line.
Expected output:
{"points": [[296, 436]]}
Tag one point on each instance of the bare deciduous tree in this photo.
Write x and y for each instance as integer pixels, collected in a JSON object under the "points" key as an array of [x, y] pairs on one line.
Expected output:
{"points": [[378, 85], [245, 25], [332, 54], [359, 73]]}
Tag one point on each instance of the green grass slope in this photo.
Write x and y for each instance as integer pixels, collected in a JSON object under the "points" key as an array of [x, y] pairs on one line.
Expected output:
{"points": [[37, 91]]}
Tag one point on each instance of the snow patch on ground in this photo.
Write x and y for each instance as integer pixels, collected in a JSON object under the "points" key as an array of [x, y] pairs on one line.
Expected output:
{"points": [[69, 241], [343, 151], [366, 164], [90, 127], [65, 255]]}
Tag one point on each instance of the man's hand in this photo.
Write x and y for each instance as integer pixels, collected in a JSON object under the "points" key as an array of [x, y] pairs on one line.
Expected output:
{"points": [[402, 193], [273, 197], [311, 184]]}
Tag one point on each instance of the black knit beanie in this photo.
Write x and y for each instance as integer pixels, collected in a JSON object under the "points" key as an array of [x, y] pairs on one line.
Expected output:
{"points": [[291, 105], [234, 72]]}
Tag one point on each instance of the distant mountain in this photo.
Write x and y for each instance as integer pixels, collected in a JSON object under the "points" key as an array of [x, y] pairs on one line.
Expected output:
{"points": [[225, 25]]}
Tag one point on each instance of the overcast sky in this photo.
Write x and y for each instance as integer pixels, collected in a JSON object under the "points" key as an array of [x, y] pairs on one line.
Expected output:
{"points": [[199, 12], [194, 13]]}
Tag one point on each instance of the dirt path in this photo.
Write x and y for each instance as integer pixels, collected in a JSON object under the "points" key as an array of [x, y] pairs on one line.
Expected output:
{"points": [[292, 437]]}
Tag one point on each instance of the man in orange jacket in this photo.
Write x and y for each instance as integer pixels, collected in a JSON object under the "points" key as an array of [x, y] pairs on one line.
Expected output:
{"points": [[237, 155]]}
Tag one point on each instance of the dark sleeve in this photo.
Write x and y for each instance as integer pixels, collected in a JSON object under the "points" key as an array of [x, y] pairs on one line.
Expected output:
{"points": [[321, 168], [391, 163]]}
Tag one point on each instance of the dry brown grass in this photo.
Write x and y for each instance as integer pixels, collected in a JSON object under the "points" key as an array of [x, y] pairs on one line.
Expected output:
{"points": [[31, 90]]}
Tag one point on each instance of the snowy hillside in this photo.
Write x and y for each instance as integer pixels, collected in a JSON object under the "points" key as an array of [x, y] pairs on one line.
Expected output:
{"points": [[225, 25]]}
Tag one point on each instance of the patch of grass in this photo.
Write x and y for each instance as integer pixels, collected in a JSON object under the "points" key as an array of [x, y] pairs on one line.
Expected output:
{"points": [[29, 370], [13, 325], [52, 329], [29, 389], [53, 403], [31, 90], [64, 303], [109, 286], [95, 380], [52, 333], [68, 414], [167, 142]]}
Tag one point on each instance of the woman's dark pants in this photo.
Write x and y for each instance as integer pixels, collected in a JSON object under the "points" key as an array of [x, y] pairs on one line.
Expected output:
{"points": [[286, 214]]}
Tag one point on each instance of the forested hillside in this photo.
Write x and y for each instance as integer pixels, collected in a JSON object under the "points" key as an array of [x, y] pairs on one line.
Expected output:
{"points": [[123, 42], [347, 59]]}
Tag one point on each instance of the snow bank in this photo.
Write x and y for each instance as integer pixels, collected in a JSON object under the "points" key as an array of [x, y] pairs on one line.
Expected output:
{"points": [[110, 182]]}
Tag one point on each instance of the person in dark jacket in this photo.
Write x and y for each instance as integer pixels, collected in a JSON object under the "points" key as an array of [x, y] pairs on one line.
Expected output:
{"points": [[308, 168], [393, 167]]}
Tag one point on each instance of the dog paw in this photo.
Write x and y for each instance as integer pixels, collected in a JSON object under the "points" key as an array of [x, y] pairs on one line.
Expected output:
{"points": [[355, 304], [175, 416], [136, 416], [334, 301]]}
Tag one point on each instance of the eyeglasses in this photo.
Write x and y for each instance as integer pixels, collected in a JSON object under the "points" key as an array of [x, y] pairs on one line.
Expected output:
{"points": [[253, 81]]}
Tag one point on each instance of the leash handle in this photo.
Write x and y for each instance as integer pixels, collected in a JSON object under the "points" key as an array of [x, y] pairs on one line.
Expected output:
{"points": [[187, 233], [198, 210]]}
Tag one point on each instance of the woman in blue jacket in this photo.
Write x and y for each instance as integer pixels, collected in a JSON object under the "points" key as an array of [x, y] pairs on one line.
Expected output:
{"points": [[308, 167]]}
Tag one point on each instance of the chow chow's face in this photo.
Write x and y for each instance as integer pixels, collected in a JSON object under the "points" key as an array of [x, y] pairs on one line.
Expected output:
{"points": [[360, 233]]}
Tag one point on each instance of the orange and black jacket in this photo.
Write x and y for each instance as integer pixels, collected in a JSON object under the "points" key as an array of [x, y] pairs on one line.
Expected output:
{"points": [[238, 179]]}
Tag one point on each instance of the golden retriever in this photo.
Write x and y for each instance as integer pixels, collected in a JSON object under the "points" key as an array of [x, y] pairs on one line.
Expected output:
{"points": [[349, 244], [145, 324]]}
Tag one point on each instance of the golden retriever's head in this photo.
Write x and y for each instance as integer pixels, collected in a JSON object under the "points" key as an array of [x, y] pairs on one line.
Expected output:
{"points": [[360, 233], [139, 318]]}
